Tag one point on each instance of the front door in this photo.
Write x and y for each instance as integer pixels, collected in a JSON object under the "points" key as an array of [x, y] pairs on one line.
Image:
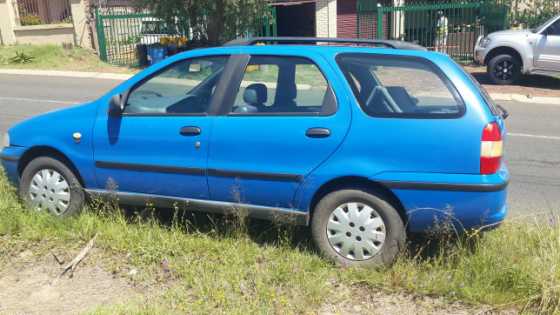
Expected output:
{"points": [[159, 144], [547, 49], [284, 122]]}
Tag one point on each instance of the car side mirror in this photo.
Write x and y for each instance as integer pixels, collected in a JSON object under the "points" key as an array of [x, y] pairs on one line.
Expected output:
{"points": [[116, 105]]}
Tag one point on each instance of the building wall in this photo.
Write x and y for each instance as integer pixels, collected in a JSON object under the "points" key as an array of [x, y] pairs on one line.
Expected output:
{"points": [[82, 36], [45, 34], [325, 18], [76, 32], [347, 18], [7, 22]]}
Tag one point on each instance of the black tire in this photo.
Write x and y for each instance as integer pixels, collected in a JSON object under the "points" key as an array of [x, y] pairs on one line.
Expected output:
{"points": [[75, 189], [504, 69], [395, 234]]}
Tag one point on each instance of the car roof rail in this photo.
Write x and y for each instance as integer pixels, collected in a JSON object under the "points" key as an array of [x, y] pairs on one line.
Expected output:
{"points": [[394, 44]]}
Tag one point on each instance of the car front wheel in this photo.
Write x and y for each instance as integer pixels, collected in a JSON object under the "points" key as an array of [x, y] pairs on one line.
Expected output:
{"points": [[504, 69], [357, 228], [47, 184]]}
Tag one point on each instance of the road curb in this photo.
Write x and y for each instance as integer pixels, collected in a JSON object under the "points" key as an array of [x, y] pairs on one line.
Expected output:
{"points": [[547, 100], [122, 76], [70, 74]]}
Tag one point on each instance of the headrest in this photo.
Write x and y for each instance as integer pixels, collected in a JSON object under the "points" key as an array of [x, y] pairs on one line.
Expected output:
{"points": [[255, 94]]}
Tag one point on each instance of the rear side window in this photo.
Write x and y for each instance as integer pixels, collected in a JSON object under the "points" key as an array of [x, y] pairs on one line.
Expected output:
{"points": [[394, 86], [280, 85]]}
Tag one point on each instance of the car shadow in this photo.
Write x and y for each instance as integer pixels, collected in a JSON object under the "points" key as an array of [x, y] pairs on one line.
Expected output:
{"points": [[267, 233], [530, 81], [262, 232]]}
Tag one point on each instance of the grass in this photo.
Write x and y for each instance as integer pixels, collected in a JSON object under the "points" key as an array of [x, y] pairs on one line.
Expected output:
{"points": [[225, 265], [54, 57]]}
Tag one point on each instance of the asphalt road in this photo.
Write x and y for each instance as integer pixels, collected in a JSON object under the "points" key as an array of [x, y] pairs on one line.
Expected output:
{"points": [[532, 148]]}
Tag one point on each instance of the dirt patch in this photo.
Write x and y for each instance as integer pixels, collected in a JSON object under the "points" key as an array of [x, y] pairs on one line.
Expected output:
{"points": [[358, 300], [34, 287], [530, 86]]}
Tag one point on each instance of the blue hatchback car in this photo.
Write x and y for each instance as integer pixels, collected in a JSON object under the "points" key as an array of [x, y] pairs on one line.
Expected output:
{"points": [[364, 144]]}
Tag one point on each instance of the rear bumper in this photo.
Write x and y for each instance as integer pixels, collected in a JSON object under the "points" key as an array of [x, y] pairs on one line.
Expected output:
{"points": [[465, 201], [9, 159], [431, 210]]}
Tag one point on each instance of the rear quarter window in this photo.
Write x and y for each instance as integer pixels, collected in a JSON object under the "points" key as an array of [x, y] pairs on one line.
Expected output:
{"points": [[400, 86]]}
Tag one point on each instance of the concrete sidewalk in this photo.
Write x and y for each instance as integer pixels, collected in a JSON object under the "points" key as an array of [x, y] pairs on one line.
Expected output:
{"points": [[497, 96]]}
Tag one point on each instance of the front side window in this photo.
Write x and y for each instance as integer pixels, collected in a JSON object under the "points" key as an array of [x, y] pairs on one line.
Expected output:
{"points": [[283, 85], [399, 86], [185, 87]]}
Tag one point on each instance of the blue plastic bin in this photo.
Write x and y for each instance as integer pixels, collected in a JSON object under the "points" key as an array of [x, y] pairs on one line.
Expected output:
{"points": [[156, 53]]}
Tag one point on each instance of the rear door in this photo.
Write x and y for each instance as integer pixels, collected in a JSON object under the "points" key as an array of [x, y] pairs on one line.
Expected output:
{"points": [[547, 50], [415, 118], [282, 120]]}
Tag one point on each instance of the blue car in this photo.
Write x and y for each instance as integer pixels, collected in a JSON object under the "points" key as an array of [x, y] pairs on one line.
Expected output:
{"points": [[365, 143]]}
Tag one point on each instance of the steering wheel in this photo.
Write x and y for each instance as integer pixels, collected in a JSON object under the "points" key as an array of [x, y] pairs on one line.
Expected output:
{"points": [[146, 93]]}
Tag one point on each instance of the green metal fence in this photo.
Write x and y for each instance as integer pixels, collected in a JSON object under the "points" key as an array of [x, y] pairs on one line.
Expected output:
{"points": [[119, 31], [451, 27]]}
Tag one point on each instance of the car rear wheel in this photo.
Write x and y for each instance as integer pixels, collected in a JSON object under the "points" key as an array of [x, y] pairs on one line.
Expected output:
{"points": [[504, 69], [47, 184], [357, 228]]}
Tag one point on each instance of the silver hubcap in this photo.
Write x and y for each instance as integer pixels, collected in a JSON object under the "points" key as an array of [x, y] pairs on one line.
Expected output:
{"points": [[356, 231], [49, 191]]}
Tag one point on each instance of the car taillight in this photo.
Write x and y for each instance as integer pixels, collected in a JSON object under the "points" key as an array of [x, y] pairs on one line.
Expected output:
{"points": [[491, 149]]}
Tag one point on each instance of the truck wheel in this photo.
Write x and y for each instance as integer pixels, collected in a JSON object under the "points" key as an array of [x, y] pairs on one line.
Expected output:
{"points": [[49, 185], [356, 228], [504, 69]]}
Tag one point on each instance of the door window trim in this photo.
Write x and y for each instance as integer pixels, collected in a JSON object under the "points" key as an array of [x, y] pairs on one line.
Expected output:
{"points": [[213, 101], [229, 100]]}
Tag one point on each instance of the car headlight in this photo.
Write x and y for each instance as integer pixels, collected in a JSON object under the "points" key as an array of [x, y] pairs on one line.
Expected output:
{"points": [[5, 140], [484, 42]]}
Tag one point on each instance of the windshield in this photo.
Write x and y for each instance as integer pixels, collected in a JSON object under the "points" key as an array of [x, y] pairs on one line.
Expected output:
{"points": [[542, 26]]}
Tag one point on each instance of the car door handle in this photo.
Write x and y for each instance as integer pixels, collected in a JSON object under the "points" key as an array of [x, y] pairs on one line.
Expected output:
{"points": [[318, 132], [190, 131]]}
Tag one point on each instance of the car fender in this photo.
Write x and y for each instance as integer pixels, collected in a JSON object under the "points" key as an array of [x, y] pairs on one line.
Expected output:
{"points": [[68, 131]]}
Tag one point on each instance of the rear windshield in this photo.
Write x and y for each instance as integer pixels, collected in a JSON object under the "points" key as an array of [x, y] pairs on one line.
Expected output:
{"points": [[395, 86]]}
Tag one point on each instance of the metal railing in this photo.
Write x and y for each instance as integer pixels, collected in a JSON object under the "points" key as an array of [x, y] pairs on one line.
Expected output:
{"points": [[37, 12], [120, 31], [450, 27]]}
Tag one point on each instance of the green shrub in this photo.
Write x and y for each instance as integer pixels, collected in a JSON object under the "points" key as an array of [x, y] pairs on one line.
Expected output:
{"points": [[30, 20], [21, 58]]}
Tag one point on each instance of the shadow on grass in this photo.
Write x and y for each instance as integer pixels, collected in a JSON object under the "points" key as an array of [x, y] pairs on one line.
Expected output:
{"points": [[261, 232], [266, 233]]}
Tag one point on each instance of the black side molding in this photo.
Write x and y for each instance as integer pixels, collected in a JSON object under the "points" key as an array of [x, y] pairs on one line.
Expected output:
{"points": [[445, 186], [198, 171], [255, 175], [151, 168], [9, 158]]}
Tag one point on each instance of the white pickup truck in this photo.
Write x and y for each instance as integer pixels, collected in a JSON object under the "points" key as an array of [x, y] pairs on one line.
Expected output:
{"points": [[508, 54]]}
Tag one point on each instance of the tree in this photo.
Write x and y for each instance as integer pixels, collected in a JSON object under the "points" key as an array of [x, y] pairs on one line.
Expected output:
{"points": [[531, 13], [212, 20]]}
